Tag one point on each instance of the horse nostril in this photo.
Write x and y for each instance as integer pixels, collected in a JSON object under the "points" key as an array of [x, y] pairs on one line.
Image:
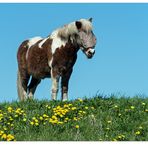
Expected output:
{"points": [[89, 52]]}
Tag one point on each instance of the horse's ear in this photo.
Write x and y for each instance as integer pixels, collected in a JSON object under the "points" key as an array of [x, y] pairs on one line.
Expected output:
{"points": [[90, 19], [78, 25]]}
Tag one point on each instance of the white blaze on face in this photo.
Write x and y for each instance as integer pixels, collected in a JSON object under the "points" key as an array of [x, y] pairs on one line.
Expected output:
{"points": [[56, 41]]}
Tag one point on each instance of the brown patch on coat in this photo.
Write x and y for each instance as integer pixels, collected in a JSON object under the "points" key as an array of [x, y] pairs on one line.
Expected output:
{"points": [[37, 62], [63, 59]]}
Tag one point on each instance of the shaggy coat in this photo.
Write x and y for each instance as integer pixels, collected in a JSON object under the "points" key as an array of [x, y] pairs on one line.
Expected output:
{"points": [[53, 57]]}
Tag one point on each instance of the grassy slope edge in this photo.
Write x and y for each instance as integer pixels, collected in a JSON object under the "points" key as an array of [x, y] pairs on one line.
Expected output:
{"points": [[95, 119]]}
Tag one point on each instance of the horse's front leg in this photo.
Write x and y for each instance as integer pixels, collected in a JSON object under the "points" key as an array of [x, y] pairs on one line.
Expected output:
{"points": [[64, 85], [55, 85]]}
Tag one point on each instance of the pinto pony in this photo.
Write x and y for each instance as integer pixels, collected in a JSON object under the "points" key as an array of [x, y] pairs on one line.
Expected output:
{"points": [[53, 57]]}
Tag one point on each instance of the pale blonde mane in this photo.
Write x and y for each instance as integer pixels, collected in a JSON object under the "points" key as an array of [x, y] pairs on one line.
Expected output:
{"points": [[71, 29]]}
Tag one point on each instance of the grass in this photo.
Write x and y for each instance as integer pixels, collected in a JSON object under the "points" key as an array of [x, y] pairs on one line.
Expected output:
{"points": [[95, 119]]}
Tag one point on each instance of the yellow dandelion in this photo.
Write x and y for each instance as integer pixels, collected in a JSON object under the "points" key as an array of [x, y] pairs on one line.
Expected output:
{"points": [[34, 118], [75, 119], [119, 114], [84, 112], [60, 122], [116, 106], [77, 126], [73, 108], [1, 133], [132, 107], [32, 123], [15, 116], [10, 137], [92, 107], [9, 109], [36, 123], [4, 136], [109, 121], [120, 137], [69, 104], [143, 104], [140, 127], [66, 118], [24, 119], [86, 107], [5, 128], [137, 132], [45, 116], [80, 99], [41, 118]]}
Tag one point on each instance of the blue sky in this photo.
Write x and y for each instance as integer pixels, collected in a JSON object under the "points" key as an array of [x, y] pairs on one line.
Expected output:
{"points": [[120, 65]]}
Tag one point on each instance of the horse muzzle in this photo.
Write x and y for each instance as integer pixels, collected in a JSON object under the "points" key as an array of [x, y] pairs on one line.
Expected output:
{"points": [[90, 53]]}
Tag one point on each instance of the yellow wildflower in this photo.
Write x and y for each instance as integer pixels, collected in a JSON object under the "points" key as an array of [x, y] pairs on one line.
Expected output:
{"points": [[4, 136], [60, 122], [10, 137], [45, 116], [92, 107], [140, 127], [69, 105], [41, 118], [36, 123], [15, 116], [86, 107], [24, 119], [33, 118], [75, 119], [9, 109], [109, 121], [119, 114], [132, 107], [54, 117], [80, 99], [32, 123], [143, 104], [36, 120], [116, 106], [137, 132], [73, 108], [146, 110], [1, 132], [77, 126]]}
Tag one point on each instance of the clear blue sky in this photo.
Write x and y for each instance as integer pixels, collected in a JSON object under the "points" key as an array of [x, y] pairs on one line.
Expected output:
{"points": [[120, 64]]}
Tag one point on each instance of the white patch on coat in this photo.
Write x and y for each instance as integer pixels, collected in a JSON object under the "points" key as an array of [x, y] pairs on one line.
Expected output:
{"points": [[42, 42], [34, 40], [50, 62], [31, 42], [57, 42]]}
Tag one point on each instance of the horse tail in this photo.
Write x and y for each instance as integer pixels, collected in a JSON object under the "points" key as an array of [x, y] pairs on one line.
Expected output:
{"points": [[20, 87]]}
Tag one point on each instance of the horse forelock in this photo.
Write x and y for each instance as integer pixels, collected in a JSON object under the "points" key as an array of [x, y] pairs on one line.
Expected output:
{"points": [[86, 25]]}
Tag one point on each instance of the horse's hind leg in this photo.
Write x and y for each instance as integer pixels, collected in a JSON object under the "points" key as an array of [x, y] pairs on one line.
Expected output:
{"points": [[32, 87], [22, 82]]}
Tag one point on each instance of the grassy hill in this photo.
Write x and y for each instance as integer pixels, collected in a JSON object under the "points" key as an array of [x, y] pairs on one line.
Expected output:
{"points": [[95, 119]]}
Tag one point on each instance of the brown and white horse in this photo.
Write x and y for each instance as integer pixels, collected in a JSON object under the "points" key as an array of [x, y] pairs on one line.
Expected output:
{"points": [[53, 57]]}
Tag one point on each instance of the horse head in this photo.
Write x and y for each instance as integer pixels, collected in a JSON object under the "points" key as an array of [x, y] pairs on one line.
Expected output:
{"points": [[85, 37]]}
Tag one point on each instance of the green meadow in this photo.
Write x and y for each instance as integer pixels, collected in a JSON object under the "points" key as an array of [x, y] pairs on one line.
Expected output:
{"points": [[88, 119]]}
